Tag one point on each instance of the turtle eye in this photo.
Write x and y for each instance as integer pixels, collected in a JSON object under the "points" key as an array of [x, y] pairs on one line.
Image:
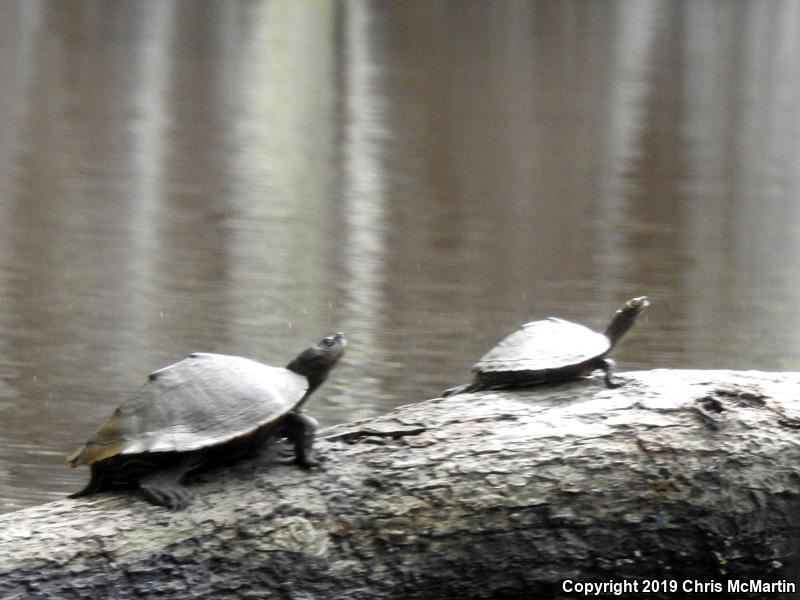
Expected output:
{"points": [[327, 342]]}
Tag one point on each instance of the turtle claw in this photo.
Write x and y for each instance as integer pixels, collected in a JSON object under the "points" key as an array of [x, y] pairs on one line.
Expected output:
{"points": [[309, 463], [306, 463], [164, 488], [608, 365], [173, 498], [179, 501]]}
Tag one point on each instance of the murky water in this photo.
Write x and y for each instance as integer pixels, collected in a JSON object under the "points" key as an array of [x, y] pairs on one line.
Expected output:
{"points": [[248, 176]]}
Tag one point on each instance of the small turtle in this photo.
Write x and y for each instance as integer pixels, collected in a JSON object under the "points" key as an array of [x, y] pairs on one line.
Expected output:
{"points": [[551, 350], [206, 409]]}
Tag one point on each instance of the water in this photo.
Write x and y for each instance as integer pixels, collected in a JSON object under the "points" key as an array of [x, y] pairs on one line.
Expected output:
{"points": [[249, 176]]}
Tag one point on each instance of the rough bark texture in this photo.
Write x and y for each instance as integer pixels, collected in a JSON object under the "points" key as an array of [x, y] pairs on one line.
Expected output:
{"points": [[678, 475]]}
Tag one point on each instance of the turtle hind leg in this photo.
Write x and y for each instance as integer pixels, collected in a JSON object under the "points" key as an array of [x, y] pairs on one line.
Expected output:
{"points": [[163, 486], [608, 366], [299, 428]]}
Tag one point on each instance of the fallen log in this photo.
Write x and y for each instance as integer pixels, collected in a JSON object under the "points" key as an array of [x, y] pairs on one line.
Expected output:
{"points": [[679, 478]]}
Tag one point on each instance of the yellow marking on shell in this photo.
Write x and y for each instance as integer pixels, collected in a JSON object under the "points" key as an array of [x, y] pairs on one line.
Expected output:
{"points": [[90, 454], [105, 443], [73, 459]]}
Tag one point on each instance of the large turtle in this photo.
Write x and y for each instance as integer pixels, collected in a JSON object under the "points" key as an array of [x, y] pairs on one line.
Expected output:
{"points": [[204, 410], [551, 350]]}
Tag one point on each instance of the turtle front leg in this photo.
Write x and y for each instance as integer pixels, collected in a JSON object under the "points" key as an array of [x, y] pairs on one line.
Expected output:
{"points": [[299, 428], [608, 367]]}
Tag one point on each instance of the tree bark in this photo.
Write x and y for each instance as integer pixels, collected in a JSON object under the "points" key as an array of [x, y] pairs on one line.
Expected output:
{"points": [[679, 476]]}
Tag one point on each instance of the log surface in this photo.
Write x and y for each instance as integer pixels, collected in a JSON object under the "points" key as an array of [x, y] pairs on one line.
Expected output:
{"points": [[677, 475]]}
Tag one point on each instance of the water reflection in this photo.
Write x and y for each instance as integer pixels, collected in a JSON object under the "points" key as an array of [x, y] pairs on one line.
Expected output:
{"points": [[364, 140], [247, 176]]}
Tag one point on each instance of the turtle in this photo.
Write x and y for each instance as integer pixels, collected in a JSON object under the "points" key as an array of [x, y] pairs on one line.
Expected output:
{"points": [[204, 410], [551, 350]]}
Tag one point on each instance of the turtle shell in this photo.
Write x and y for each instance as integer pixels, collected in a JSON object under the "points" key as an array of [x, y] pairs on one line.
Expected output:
{"points": [[549, 344], [201, 401]]}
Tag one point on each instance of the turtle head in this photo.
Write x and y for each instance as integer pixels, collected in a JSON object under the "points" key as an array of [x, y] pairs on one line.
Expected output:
{"points": [[315, 362], [624, 317]]}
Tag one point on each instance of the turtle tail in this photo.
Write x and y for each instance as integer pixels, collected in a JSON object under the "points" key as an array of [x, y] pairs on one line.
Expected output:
{"points": [[467, 388], [87, 491], [96, 483]]}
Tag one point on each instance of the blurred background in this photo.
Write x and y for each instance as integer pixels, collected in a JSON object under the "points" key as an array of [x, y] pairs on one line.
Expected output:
{"points": [[248, 176]]}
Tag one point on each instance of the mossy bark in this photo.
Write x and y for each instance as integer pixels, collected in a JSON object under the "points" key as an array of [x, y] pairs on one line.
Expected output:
{"points": [[678, 475]]}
